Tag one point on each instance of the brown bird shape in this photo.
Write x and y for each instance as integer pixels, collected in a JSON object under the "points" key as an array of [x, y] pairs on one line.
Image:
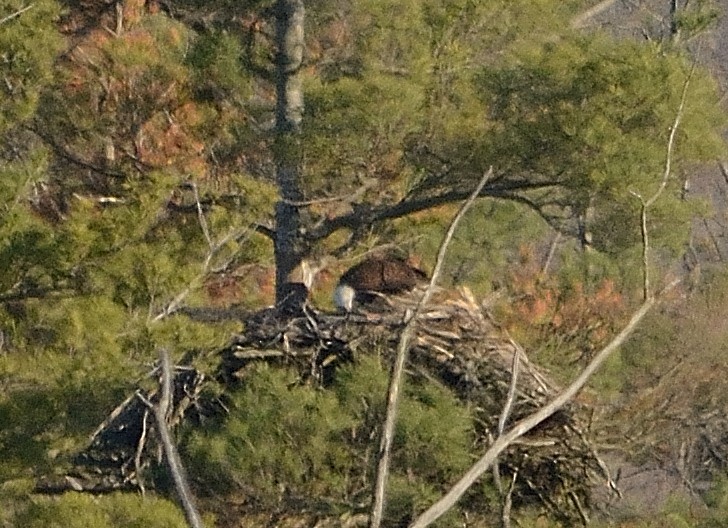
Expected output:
{"points": [[368, 280]]}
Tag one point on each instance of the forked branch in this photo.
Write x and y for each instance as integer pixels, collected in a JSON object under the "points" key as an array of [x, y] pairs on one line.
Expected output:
{"points": [[171, 455]]}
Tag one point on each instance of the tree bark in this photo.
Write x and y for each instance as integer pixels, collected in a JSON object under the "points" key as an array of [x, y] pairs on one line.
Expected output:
{"points": [[289, 113]]}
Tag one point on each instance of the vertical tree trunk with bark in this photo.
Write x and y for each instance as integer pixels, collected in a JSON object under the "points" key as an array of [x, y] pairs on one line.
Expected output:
{"points": [[289, 112]]}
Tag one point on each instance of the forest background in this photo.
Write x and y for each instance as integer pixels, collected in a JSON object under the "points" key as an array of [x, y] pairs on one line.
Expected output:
{"points": [[149, 172]]}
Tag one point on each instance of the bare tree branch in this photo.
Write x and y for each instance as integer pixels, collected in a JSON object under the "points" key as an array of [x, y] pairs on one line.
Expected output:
{"points": [[505, 414], [550, 257], [531, 421], [395, 383], [370, 214], [214, 249], [201, 216], [508, 502], [170, 450], [581, 20], [508, 405], [646, 204], [175, 304], [16, 14], [140, 448], [671, 138], [646, 288]]}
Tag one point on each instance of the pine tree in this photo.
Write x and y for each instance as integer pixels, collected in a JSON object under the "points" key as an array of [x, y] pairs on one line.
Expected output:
{"points": [[158, 156]]}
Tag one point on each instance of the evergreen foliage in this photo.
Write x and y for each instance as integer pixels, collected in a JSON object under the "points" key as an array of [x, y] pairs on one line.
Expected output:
{"points": [[581, 119], [77, 510], [29, 43], [137, 176], [292, 442]]}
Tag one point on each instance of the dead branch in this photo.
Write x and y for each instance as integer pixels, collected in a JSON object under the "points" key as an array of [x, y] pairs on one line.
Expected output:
{"points": [[201, 216], [505, 414], [140, 450], [174, 462], [646, 204], [395, 383], [215, 247], [16, 14], [508, 502], [511, 390], [583, 19], [531, 421]]}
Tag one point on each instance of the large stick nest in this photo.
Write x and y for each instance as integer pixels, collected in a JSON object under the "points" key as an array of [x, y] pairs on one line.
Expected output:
{"points": [[456, 344]]}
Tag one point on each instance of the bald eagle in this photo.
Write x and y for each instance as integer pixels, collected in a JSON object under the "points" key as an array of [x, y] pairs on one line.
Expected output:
{"points": [[371, 279]]}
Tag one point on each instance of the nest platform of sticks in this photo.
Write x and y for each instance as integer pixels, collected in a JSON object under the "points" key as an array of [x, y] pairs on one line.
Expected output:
{"points": [[456, 344]]}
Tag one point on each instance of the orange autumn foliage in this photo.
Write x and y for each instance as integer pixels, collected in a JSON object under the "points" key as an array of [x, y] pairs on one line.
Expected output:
{"points": [[543, 308], [129, 83]]}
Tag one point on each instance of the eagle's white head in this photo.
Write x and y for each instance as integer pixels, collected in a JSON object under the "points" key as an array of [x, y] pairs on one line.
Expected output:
{"points": [[344, 296]]}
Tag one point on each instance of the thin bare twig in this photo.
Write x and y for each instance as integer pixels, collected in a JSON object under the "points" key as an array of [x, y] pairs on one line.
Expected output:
{"points": [[508, 502], [16, 14], [174, 305], [646, 287], [201, 216], [671, 138], [583, 19], [505, 414], [214, 247], [508, 405], [531, 421], [646, 204], [550, 256], [395, 383], [138, 455]]}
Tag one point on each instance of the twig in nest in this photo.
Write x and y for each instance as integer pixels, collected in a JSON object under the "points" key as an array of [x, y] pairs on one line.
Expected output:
{"points": [[526, 424]]}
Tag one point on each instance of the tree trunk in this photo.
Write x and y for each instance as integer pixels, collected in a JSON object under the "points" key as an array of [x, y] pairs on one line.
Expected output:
{"points": [[289, 112]]}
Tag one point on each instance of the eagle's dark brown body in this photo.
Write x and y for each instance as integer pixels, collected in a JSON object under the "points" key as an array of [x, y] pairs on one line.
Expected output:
{"points": [[363, 282]]}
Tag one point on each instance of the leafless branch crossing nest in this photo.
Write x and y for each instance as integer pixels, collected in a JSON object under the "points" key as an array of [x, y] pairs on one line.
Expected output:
{"points": [[457, 345]]}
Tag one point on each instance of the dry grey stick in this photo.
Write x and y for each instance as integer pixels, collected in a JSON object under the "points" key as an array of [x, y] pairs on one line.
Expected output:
{"points": [[581, 20], [646, 204], [213, 248], [201, 217], [170, 450], [511, 397], [395, 382], [531, 421], [505, 414], [508, 502], [175, 304], [138, 455], [16, 14]]}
